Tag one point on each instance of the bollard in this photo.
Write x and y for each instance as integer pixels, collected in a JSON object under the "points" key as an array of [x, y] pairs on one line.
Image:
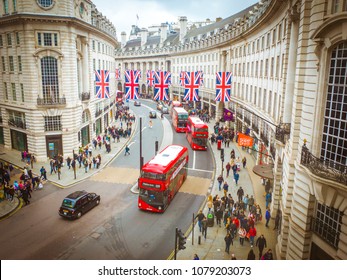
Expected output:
{"points": [[199, 239]]}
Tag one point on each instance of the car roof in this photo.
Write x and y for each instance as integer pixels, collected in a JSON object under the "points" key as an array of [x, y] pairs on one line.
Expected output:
{"points": [[76, 194]]}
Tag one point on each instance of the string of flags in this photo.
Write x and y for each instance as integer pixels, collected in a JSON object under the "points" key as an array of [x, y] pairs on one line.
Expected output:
{"points": [[161, 81]]}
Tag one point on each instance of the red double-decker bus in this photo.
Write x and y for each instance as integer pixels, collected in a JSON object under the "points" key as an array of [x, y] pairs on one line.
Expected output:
{"points": [[162, 177], [197, 133], [179, 119], [119, 96]]}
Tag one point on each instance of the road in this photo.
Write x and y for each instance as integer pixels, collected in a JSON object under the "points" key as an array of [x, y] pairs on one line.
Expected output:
{"points": [[116, 229]]}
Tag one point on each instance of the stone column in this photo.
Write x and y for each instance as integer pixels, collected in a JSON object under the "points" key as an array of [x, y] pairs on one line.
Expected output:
{"points": [[291, 68]]}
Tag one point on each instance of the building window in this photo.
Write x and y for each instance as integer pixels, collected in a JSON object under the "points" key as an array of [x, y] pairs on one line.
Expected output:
{"points": [[47, 39], [22, 92], [335, 7], [14, 5], [1, 42], [93, 44], [98, 46], [9, 39], [45, 3], [19, 64], [5, 91], [11, 63], [53, 123], [3, 64], [5, 2], [14, 94], [327, 224], [17, 38], [49, 73], [334, 142]]}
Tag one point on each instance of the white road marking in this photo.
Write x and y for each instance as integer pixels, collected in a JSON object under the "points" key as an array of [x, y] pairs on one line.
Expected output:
{"points": [[131, 143], [200, 170]]}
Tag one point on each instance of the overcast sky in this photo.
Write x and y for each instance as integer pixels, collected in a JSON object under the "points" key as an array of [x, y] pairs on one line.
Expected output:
{"points": [[123, 14]]}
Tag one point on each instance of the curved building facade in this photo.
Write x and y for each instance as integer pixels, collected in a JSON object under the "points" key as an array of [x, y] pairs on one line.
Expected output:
{"points": [[49, 50], [288, 60]]}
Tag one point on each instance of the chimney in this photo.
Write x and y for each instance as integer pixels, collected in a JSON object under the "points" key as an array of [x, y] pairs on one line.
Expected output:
{"points": [[123, 39], [163, 33], [144, 34], [183, 28], [218, 19]]}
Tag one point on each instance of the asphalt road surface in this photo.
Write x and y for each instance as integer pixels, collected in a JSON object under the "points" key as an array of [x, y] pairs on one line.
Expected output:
{"points": [[116, 229]]}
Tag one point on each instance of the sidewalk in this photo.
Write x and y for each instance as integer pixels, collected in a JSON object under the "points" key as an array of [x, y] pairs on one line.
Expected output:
{"points": [[213, 247], [67, 177]]}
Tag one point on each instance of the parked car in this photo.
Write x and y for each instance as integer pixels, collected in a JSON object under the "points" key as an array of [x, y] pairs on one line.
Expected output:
{"points": [[137, 103], [165, 110], [78, 203], [153, 114]]}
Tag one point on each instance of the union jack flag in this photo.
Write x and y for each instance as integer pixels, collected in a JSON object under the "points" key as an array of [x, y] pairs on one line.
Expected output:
{"points": [[150, 78], [223, 86], [132, 84], [191, 85], [162, 80], [102, 83], [117, 74], [182, 78], [201, 77]]}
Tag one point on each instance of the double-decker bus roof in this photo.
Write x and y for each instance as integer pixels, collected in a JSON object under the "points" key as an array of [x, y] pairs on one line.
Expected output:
{"points": [[180, 110], [196, 121], [161, 162], [176, 103]]}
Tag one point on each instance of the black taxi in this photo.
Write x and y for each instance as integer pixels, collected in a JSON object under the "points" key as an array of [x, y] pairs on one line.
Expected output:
{"points": [[78, 203]]}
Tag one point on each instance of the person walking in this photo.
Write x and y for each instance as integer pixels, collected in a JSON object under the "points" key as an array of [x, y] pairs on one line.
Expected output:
{"points": [[242, 235], [250, 203], [268, 255], [277, 219], [196, 257], [252, 233], [127, 149], [244, 162], [150, 124], [228, 167], [225, 188], [236, 177], [220, 181], [268, 199], [267, 217], [228, 241], [240, 194], [200, 216], [251, 255], [204, 227], [261, 244], [219, 216]]}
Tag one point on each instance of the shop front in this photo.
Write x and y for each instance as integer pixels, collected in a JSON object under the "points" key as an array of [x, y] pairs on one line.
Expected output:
{"points": [[85, 135], [98, 127], [54, 145], [19, 140]]}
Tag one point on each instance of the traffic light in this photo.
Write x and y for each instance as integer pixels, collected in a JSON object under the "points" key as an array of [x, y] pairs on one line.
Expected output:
{"points": [[222, 154], [181, 240]]}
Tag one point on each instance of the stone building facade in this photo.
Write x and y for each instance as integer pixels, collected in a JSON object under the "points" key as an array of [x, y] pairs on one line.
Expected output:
{"points": [[289, 61], [49, 50]]}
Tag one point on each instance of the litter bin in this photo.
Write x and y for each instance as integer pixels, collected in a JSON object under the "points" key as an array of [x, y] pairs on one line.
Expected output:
{"points": [[210, 219], [219, 144]]}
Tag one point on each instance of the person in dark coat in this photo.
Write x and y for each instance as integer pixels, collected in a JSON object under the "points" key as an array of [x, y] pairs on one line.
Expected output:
{"points": [[251, 255], [228, 241], [261, 244], [219, 216]]}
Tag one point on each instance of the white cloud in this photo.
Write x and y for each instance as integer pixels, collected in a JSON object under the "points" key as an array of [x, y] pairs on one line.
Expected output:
{"points": [[123, 13]]}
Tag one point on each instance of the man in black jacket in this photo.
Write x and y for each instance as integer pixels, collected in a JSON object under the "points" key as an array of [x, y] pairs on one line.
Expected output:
{"points": [[261, 244]]}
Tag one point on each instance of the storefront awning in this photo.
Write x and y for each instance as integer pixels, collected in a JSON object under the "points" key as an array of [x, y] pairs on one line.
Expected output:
{"points": [[264, 170]]}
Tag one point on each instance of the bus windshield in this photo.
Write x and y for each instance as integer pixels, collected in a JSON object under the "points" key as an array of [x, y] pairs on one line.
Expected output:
{"points": [[151, 197], [200, 141], [182, 124], [183, 116], [201, 129]]}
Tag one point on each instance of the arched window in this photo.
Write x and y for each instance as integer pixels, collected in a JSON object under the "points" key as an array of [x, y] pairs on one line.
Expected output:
{"points": [[50, 85], [45, 3], [334, 142]]}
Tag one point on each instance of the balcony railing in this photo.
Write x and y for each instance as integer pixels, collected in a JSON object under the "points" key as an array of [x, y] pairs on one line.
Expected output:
{"points": [[282, 132], [255, 128], [85, 96], [326, 169], [48, 101], [17, 123]]}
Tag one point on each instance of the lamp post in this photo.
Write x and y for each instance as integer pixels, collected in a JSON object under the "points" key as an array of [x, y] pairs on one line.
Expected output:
{"points": [[141, 157]]}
